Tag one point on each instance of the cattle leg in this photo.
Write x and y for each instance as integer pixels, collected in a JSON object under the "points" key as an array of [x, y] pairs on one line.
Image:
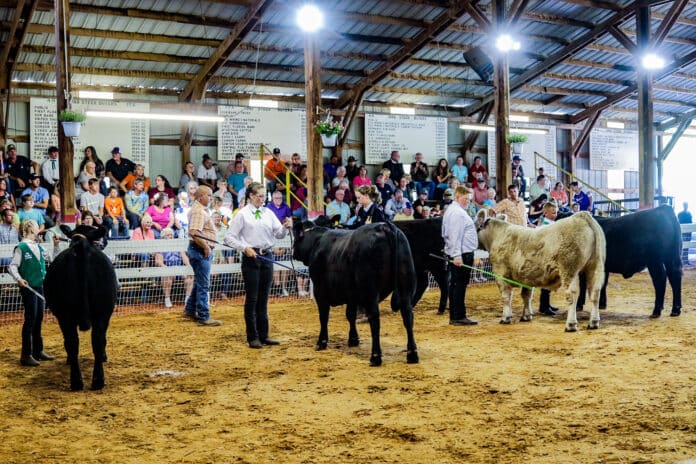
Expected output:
{"points": [[411, 348], [506, 295], [659, 280], [527, 312], [603, 292], [595, 282], [323, 341], [442, 279], [674, 274], [582, 283], [351, 315], [98, 350], [572, 290], [373, 316], [71, 341]]}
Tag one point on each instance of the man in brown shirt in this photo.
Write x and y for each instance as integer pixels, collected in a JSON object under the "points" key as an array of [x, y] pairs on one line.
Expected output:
{"points": [[200, 253], [513, 206]]}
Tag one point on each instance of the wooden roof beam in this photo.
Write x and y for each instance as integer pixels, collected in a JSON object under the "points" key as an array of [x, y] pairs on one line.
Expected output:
{"points": [[667, 23], [17, 31], [561, 55], [677, 121], [242, 28], [595, 4], [443, 21], [668, 70], [623, 39], [516, 10], [479, 16]]}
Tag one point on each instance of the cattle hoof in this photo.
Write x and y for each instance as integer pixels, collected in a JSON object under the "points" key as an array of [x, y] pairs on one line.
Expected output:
{"points": [[526, 318], [506, 321], [593, 325], [353, 342], [571, 327], [412, 357], [375, 360], [675, 312], [322, 345]]}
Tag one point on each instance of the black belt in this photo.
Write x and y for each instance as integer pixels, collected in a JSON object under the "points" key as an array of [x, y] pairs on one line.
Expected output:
{"points": [[195, 246], [264, 251]]}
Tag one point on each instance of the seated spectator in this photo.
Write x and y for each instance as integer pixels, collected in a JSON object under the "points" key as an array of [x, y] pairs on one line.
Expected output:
{"points": [[330, 169], [115, 218], [40, 196], [5, 193], [93, 201], [181, 211], [480, 192], [143, 232], [5, 204], [274, 172], [340, 176], [9, 235], [397, 205], [241, 195], [408, 188], [560, 195], [538, 188], [299, 199], [477, 170], [50, 170], [339, 207], [490, 201], [53, 210], [161, 214], [351, 169], [223, 194], [188, 176], [222, 255], [29, 212], [536, 208], [138, 173], [385, 190], [420, 174], [161, 186], [82, 183], [136, 202], [172, 258], [217, 206], [235, 182], [362, 178], [460, 171], [420, 204], [441, 176], [191, 188], [447, 199], [206, 172], [386, 173]]}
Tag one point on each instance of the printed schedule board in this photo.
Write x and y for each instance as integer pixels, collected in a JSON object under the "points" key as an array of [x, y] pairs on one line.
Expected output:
{"points": [[612, 149], [245, 129], [132, 136], [544, 144], [408, 134]]}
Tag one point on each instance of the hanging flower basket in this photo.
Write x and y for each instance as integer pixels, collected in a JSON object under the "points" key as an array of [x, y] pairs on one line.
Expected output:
{"points": [[517, 148], [329, 140], [71, 129]]}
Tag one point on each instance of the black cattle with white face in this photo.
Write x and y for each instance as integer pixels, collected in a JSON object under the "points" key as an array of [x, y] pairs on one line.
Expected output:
{"points": [[359, 268], [80, 290]]}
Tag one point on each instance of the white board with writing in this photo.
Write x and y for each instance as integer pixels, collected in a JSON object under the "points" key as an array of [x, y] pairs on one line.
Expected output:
{"points": [[245, 129], [132, 136], [544, 144], [612, 149], [408, 134]]}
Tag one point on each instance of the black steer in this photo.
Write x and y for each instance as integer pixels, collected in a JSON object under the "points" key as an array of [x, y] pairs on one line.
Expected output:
{"points": [[649, 238], [80, 289], [359, 268]]}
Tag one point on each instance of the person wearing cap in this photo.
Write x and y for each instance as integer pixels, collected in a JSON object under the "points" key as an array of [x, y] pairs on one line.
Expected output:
{"points": [[118, 167], [459, 234], [50, 171], [395, 166], [253, 232], [352, 169], [518, 175], [447, 199], [420, 204], [18, 169], [274, 172], [206, 173], [398, 204], [40, 196]]}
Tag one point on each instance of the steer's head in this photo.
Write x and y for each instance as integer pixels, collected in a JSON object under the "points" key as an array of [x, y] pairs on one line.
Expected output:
{"points": [[94, 235], [305, 234], [487, 232]]}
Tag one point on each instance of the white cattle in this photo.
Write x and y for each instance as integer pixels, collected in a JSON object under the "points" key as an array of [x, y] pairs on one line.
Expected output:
{"points": [[550, 257]]}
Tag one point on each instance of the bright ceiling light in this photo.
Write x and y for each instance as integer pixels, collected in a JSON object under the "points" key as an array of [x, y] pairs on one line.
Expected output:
{"points": [[310, 18], [505, 43], [95, 95], [402, 110], [154, 116], [260, 103], [528, 130], [653, 61], [615, 125], [477, 127], [519, 118]]}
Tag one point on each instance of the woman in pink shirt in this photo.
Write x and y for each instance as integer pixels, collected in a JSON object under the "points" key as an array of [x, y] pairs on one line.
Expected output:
{"points": [[362, 178], [559, 194], [161, 214]]}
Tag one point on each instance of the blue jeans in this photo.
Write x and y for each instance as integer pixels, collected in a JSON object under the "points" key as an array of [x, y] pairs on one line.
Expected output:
{"points": [[198, 301], [427, 185]]}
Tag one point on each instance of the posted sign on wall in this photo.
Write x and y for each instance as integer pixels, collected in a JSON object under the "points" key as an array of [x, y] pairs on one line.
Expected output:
{"points": [[613, 149], [408, 134]]}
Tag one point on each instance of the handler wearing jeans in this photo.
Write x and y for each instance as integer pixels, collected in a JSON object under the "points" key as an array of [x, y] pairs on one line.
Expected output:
{"points": [[459, 233], [200, 253], [253, 231]]}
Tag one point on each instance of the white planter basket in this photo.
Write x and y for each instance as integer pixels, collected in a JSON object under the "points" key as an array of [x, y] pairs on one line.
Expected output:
{"points": [[517, 148], [71, 129], [329, 140]]}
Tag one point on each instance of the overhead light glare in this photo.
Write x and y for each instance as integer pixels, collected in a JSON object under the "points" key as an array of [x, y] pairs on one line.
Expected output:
{"points": [[477, 127], [653, 61], [402, 110], [95, 94], [528, 130], [154, 116], [261, 103], [310, 18], [615, 125], [505, 43], [519, 118]]}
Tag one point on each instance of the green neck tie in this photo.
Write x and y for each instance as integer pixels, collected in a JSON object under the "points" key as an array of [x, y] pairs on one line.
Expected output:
{"points": [[257, 214], [53, 164]]}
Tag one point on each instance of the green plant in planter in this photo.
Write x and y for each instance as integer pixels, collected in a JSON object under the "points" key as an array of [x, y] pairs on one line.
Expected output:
{"points": [[72, 116], [517, 138]]}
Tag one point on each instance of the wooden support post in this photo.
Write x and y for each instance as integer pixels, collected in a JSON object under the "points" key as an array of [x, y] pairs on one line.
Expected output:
{"points": [[185, 143], [646, 139], [502, 106], [65, 145], [315, 165]]}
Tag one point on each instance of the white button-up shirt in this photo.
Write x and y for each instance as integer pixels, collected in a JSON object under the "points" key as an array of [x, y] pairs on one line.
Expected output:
{"points": [[50, 171], [246, 231], [459, 231]]}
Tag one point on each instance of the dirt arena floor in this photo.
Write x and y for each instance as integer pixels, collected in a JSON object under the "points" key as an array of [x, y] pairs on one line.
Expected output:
{"points": [[524, 393]]}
